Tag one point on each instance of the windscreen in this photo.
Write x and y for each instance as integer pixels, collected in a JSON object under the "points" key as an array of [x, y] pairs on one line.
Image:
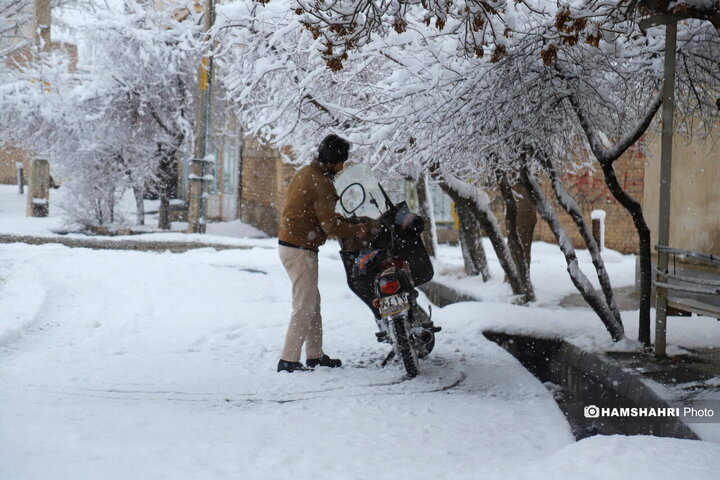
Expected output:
{"points": [[359, 193]]}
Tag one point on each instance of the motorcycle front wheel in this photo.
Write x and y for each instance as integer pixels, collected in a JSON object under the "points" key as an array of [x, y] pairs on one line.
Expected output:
{"points": [[406, 349]]}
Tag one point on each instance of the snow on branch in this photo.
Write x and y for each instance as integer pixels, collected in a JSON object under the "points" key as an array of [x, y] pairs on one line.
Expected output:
{"points": [[346, 25]]}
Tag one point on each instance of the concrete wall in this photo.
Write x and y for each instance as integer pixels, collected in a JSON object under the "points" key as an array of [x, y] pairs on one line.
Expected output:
{"points": [[222, 207], [695, 194]]}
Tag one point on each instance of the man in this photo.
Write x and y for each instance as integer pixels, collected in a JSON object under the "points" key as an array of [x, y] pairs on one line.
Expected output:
{"points": [[307, 219]]}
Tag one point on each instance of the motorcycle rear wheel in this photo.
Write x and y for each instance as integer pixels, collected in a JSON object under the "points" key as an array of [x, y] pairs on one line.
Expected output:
{"points": [[407, 351]]}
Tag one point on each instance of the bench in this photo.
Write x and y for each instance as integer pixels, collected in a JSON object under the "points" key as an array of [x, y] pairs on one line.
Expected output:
{"points": [[691, 287]]}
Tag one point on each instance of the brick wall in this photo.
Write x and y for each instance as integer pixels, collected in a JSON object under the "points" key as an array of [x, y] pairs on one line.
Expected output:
{"points": [[589, 190], [265, 178], [9, 157]]}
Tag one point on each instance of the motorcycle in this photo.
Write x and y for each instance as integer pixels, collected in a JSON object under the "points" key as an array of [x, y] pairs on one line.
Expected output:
{"points": [[386, 273]]}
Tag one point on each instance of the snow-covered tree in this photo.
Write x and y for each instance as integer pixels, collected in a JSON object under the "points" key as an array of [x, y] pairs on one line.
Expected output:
{"points": [[14, 14], [483, 27], [16, 20], [604, 13], [609, 72], [611, 127], [112, 124], [413, 100], [388, 100]]}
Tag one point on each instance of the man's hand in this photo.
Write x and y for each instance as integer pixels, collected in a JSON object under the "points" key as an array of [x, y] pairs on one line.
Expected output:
{"points": [[363, 230], [373, 225]]}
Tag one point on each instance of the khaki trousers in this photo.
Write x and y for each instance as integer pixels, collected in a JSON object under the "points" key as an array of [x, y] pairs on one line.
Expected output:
{"points": [[305, 322]]}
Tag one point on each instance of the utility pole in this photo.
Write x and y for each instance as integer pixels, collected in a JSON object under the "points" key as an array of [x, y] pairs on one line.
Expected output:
{"points": [[200, 173], [668, 115], [670, 20], [41, 24], [38, 199]]}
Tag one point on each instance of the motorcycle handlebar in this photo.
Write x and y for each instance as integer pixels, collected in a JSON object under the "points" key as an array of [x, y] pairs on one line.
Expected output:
{"points": [[395, 221]]}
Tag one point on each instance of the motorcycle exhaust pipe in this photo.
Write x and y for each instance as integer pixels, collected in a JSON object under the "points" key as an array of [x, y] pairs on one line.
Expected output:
{"points": [[426, 336]]}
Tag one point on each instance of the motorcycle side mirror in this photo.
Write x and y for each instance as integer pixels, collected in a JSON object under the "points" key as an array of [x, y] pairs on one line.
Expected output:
{"points": [[352, 198]]}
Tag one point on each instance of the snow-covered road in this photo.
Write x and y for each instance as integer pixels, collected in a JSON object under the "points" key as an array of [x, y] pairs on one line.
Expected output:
{"points": [[127, 365]]}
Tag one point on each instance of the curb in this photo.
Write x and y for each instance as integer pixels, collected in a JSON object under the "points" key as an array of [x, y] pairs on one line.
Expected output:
{"points": [[443, 296], [153, 246], [628, 389], [589, 377]]}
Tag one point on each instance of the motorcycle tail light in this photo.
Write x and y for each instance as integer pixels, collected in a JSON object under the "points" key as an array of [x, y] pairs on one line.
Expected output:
{"points": [[390, 287]]}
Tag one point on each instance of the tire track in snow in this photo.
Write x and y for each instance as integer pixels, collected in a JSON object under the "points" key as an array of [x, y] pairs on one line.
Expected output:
{"points": [[239, 399]]}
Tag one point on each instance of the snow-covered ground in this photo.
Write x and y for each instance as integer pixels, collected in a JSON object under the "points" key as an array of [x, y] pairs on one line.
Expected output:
{"points": [[13, 221], [120, 364]]}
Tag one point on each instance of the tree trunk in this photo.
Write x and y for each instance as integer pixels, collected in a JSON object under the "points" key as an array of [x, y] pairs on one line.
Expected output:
{"points": [[425, 207], [568, 203], [520, 221], [167, 177], [645, 254], [474, 256], [164, 210], [20, 177], [111, 205], [139, 205], [576, 275], [489, 223], [98, 212], [606, 157]]}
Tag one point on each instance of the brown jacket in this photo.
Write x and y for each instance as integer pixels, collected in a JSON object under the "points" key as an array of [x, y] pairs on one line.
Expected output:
{"points": [[309, 215]]}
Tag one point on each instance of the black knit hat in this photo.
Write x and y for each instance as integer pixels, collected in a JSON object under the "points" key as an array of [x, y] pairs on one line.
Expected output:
{"points": [[333, 149]]}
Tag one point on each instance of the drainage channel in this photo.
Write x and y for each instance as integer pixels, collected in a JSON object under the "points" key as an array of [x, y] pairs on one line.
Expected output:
{"points": [[579, 379]]}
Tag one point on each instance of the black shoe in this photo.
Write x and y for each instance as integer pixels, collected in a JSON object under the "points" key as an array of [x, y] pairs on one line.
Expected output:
{"points": [[285, 366], [323, 361]]}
